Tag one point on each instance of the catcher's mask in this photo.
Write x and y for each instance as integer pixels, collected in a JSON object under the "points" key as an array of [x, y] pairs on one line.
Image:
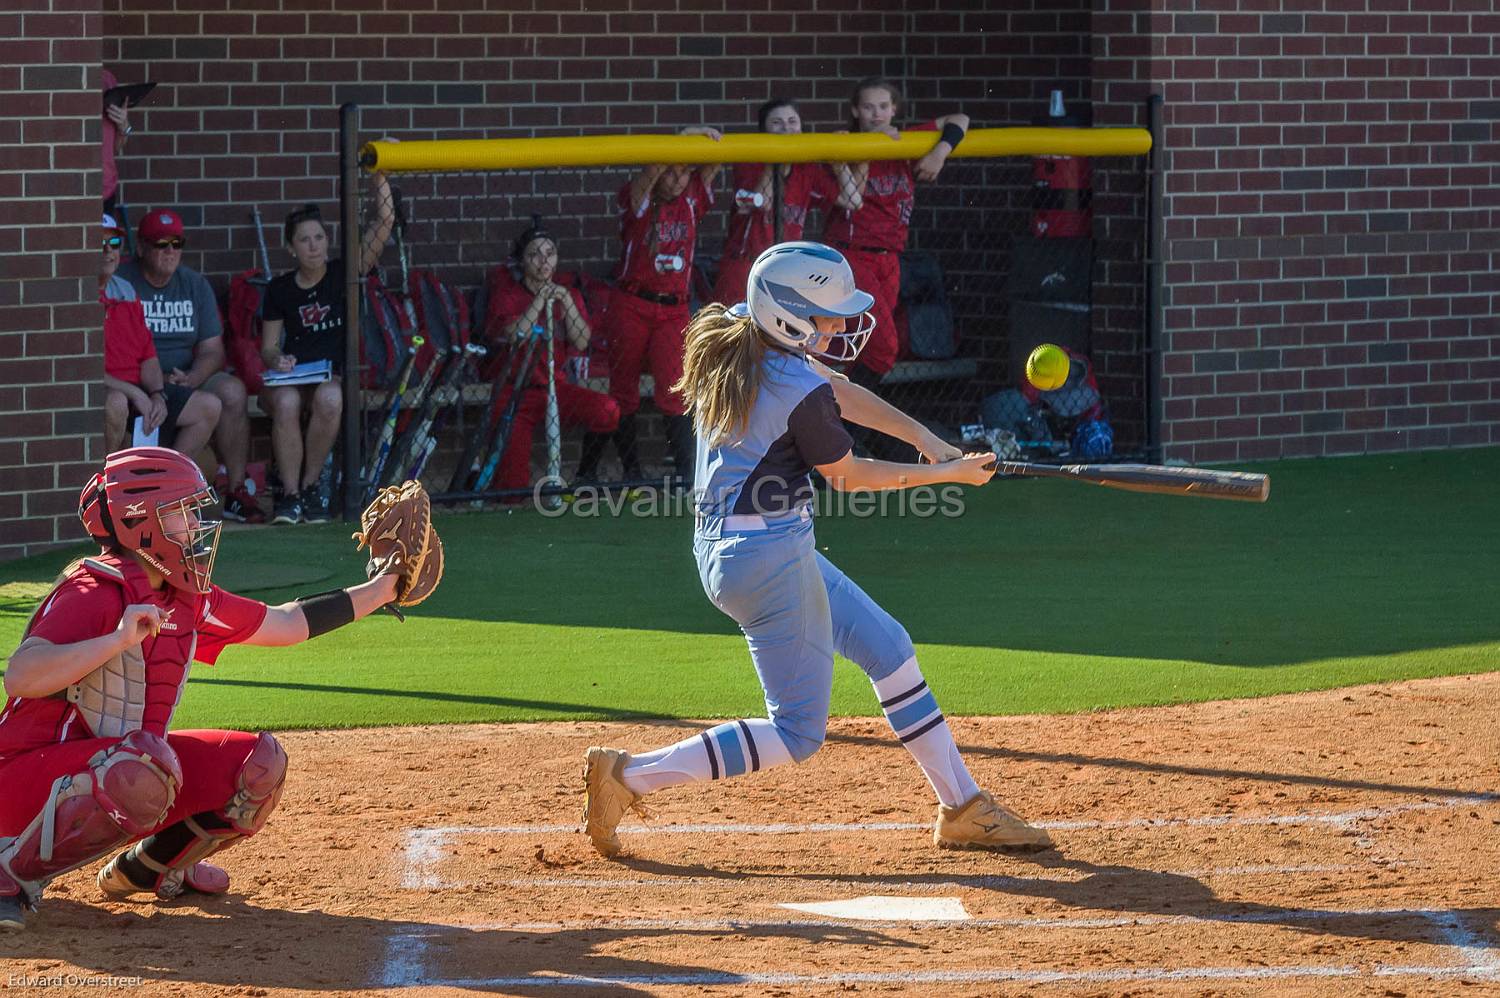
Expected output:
{"points": [[152, 501]]}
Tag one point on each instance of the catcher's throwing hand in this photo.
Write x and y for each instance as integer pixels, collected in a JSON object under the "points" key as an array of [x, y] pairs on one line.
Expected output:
{"points": [[397, 528]]}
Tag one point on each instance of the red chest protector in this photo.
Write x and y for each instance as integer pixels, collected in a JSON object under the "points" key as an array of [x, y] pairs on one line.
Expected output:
{"points": [[140, 688]]}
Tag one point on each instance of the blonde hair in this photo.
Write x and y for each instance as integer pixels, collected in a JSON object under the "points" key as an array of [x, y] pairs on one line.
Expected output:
{"points": [[721, 371]]}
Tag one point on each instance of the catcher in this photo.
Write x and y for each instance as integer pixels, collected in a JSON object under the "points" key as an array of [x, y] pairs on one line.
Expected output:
{"points": [[87, 766]]}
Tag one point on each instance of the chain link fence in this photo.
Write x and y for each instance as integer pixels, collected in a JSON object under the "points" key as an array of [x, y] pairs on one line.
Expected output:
{"points": [[485, 372]]}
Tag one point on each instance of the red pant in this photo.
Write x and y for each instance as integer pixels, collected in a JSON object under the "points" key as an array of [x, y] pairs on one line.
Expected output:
{"points": [[880, 275], [211, 762], [576, 406], [638, 330], [734, 274]]}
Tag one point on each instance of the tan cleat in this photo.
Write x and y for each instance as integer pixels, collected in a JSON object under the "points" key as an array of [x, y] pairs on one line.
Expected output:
{"points": [[982, 824], [113, 882], [606, 797]]}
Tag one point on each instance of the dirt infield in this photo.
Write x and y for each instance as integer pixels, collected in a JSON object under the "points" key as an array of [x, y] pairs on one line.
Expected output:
{"points": [[1342, 842]]}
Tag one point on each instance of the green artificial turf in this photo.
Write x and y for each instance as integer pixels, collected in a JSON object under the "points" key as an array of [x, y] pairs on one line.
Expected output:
{"points": [[1043, 596]]}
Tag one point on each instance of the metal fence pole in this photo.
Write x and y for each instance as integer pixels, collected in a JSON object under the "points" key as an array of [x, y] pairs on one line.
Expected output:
{"points": [[349, 213], [1155, 279]]}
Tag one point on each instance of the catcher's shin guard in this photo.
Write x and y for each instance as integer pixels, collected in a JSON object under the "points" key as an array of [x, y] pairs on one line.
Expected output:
{"points": [[171, 861], [124, 792]]}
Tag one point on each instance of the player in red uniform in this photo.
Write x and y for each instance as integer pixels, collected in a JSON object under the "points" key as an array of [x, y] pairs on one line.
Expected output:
{"points": [[86, 763], [873, 234], [659, 214], [516, 305], [803, 186]]}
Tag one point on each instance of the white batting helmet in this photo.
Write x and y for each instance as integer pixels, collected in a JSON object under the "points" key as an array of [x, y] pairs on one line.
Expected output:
{"points": [[792, 282]]}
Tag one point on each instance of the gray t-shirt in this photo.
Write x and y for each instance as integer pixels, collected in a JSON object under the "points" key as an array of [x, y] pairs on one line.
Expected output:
{"points": [[119, 289], [180, 315]]}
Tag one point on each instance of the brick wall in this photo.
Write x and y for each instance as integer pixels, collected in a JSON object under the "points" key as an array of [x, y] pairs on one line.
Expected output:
{"points": [[49, 317], [1333, 226], [246, 114]]}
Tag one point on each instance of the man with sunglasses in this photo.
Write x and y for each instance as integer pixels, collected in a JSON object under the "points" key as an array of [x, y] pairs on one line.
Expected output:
{"points": [[132, 373], [183, 315]]}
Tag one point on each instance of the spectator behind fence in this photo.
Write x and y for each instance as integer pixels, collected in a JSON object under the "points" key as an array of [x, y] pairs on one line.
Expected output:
{"points": [[659, 214], [516, 306], [183, 316], [873, 233], [303, 320], [132, 374], [803, 187], [115, 132]]}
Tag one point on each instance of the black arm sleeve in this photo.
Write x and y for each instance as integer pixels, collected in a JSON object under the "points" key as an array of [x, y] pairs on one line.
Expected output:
{"points": [[326, 611]]}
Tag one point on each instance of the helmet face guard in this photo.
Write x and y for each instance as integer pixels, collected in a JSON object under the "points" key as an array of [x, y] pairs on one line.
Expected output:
{"points": [[845, 346], [196, 539]]}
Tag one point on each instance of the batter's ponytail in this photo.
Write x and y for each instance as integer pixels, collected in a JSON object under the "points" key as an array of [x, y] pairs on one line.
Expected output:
{"points": [[721, 371]]}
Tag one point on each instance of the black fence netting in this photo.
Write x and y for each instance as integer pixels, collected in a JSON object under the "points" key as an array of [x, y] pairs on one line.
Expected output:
{"points": [[513, 335]]}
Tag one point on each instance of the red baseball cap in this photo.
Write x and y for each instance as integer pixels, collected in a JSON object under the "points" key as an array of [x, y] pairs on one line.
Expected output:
{"points": [[162, 223]]}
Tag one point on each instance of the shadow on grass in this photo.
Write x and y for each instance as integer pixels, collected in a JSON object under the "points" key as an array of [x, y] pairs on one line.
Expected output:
{"points": [[1352, 557], [438, 696]]}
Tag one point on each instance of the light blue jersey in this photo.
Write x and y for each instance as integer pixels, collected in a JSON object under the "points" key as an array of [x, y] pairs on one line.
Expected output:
{"points": [[765, 471]]}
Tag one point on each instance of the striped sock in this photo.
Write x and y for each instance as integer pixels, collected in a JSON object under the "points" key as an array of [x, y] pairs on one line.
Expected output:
{"points": [[733, 748], [915, 717]]}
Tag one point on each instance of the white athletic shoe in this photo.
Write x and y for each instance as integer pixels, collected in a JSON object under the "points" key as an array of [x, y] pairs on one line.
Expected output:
{"points": [[606, 797], [980, 823]]}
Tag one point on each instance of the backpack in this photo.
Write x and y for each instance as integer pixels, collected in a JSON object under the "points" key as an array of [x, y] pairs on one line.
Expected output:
{"points": [[923, 309], [242, 330]]}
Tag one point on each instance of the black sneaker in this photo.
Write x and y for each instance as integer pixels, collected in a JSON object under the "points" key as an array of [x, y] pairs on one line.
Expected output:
{"points": [[315, 505], [12, 911], [240, 505], [288, 509]]}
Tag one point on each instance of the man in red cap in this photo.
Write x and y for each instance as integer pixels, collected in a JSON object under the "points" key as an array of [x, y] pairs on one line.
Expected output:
{"points": [[183, 316]]}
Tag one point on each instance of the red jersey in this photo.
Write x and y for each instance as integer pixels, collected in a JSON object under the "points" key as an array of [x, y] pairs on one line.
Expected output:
{"points": [[127, 341], [509, 298], [885, 210], [89, 604], [658, 239], [806, 186]]}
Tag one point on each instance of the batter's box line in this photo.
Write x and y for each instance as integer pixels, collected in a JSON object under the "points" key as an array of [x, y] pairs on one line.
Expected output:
{"points": [[424, 845], [406, 954]]}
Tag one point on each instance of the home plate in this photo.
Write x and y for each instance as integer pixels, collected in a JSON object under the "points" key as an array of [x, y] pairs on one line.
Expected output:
{"points": [[882, 908]]}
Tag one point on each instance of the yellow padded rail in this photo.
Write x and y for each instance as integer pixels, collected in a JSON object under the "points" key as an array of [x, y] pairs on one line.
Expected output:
{"points": [[452, 155]]}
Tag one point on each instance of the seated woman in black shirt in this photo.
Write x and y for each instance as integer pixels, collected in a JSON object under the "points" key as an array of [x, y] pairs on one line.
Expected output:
{"points": [[303, 320]]}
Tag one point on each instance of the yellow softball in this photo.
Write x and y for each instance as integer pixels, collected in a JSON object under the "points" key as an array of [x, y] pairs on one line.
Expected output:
{"points": [[1047, 367]]}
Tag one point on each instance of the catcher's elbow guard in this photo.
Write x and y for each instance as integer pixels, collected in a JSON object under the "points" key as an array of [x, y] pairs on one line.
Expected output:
{"points": [[326, 611]]}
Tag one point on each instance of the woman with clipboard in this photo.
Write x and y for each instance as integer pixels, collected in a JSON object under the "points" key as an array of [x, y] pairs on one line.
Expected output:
{"points": [[302, 319]]}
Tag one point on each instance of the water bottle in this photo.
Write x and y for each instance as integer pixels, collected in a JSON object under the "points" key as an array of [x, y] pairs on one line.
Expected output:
{"points": [[669, 263], [749, 199]]}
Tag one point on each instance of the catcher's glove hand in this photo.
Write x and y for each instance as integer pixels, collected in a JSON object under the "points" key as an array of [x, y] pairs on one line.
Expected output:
{"points": [[397, 528]]}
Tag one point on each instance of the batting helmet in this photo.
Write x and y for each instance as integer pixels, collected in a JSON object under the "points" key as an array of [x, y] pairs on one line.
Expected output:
{"points": [[790, 283], [151, 500]]}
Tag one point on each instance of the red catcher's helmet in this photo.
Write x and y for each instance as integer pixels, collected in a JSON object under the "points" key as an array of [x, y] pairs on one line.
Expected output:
{"points": [[151, 500]]}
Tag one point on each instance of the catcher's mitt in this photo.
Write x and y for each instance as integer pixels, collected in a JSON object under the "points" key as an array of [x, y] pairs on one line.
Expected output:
{"points": [[397, 528]]}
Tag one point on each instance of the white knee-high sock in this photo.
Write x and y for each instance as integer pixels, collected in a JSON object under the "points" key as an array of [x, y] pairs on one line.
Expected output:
{"points": [[729, 749], [914, 715]]}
